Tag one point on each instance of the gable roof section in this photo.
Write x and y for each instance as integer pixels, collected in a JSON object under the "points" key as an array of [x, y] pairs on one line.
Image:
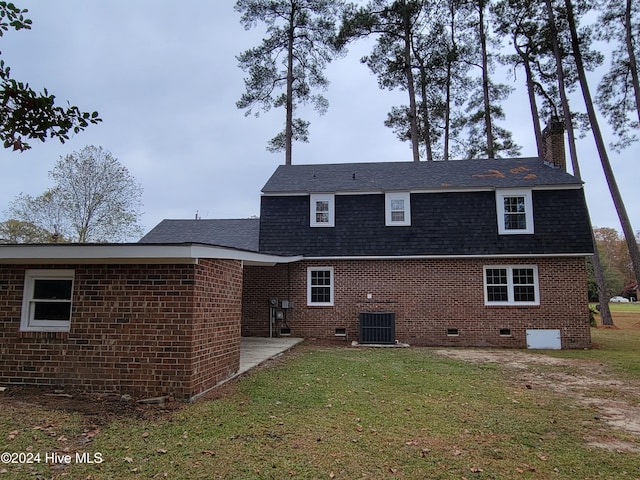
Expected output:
{"points": [[234, 233], [389, 176]]}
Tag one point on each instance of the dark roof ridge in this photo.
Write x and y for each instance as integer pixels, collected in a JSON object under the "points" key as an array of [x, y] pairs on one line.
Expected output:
{"points": [[388, 176]]}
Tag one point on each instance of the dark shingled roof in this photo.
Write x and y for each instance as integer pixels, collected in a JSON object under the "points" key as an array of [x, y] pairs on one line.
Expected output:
{"points": [[389, 176], [234, 233]]}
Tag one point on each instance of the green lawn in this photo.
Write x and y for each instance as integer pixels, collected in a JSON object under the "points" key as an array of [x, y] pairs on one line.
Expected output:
{"points": [[344, 413]]}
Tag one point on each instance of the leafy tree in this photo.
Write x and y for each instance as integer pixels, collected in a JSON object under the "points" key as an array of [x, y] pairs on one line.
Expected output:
{"points": [[524, 23], [619, 90], [613, 247], [298, 47], [24, 113], [423, 48], [15, 231], [395, 23], [94, 199], [618, 202], [45, 212], [439, 57]]}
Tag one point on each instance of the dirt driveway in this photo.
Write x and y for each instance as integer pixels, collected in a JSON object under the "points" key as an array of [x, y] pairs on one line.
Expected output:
{"points": [[613, 401]]}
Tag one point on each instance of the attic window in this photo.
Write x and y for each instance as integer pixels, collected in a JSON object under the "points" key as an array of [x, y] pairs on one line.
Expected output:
{"points": [[515, 212], [322, 212], [397, 209]]}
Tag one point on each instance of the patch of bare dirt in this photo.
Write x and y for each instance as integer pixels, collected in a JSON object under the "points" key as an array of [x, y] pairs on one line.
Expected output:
{"points": [[96, 408], [586, 382]]}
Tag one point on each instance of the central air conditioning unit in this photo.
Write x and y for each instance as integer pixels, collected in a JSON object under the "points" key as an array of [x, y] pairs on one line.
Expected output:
{"points": [[378, 328]]}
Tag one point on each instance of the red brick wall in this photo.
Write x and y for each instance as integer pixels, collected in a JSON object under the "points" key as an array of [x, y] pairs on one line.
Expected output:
{"points": [[144, 330], [216, 322], [428, 297]]}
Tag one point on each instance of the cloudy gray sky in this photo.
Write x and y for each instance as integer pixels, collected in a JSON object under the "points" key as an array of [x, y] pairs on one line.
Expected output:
{"points": [[164, 78]]}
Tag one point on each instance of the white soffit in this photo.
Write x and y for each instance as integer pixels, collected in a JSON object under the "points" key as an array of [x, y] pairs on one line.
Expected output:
{"points": [[130, 253]]}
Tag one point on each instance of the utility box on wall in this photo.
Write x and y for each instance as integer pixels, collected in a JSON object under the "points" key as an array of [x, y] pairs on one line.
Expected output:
{"points": [[377, 328], [544, 339]]}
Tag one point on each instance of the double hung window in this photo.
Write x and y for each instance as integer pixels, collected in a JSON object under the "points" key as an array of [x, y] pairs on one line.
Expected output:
{"points": [[46, 303], [320, 286], [397, 209], [322, 210], [515, 211], [511, 285]]}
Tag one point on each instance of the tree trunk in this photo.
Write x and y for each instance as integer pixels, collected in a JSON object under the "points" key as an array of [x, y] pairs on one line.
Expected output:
{"points": [[413, 117], [485, 83], [425, 114], [289, 106], [634, 251], [566, 110], [633, 66], [605, 312], [447, 113], [535, 117]]}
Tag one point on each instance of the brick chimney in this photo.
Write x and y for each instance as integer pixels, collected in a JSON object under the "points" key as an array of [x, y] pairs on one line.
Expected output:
{"points": [[553, 143]]}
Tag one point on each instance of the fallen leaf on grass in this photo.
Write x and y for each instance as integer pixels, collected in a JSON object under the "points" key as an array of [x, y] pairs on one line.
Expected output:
{"points": [[12, 435], [145, 434], [526, 468], [161, 450], [128, 459], [424, 452], [476, 469]]}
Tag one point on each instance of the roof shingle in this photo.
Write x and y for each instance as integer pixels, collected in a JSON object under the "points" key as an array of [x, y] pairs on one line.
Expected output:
{"points": [[234, 233], [389, 176]]}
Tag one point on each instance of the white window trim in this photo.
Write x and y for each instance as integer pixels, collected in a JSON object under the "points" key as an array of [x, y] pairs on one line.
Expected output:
{"points": [[331, 287], [528, 205], [510, 285], [388, 197], [312, 209], [27, 323]]}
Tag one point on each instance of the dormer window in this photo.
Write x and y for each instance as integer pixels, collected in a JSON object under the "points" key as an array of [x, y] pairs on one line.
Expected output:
{"points": [[397, 209], [322, 210], [515, 211]]}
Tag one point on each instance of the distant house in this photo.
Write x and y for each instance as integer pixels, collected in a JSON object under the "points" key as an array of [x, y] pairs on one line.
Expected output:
{"points": [[458, 253]]}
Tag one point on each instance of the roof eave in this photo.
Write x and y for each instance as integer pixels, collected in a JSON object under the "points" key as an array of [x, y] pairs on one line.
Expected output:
{"points": [[131, 254]]}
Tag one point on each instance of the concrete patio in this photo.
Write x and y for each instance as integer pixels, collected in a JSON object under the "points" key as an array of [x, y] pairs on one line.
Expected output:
{"points": [[255, 350]]}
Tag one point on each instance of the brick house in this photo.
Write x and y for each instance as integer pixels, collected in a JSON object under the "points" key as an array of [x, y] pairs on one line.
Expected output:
{"points": [[459, 253], [464, 253]]}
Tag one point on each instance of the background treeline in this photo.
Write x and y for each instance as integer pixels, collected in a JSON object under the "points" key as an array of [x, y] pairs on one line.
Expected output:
{"points": [[616, 264]]}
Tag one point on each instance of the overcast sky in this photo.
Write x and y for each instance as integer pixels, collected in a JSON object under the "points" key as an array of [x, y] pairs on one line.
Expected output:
{"points": [[164, 78]]}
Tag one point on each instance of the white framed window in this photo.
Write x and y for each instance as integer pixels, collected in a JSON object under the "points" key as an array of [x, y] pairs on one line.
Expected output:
{"points": [[397, 209], [320, 286], [46, 301], [322, 210], [515, 211], [511, 285]]}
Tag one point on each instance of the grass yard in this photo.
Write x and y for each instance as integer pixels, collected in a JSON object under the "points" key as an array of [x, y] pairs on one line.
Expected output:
{"points": [[617, 347], [324, 412]]}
